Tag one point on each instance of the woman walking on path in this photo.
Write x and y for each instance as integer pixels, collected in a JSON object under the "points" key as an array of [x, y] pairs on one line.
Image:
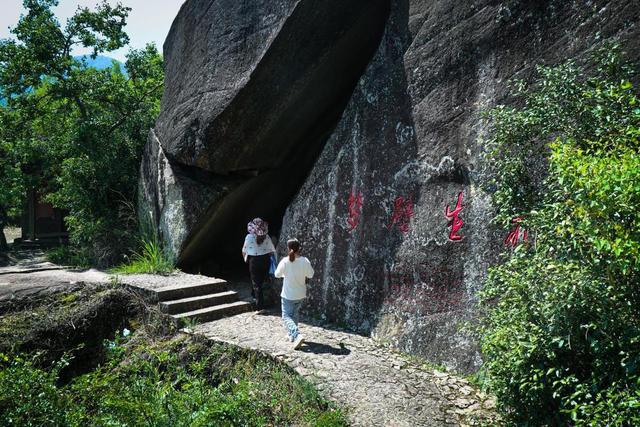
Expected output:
{"points": [[257, 250], [295, 269]]}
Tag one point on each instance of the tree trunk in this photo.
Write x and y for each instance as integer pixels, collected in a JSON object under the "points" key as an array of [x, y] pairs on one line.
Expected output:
{"points": [[3, 222]]}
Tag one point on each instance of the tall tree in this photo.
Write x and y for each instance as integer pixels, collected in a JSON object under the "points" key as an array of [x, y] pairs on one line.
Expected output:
{"points": [[76, 129]]}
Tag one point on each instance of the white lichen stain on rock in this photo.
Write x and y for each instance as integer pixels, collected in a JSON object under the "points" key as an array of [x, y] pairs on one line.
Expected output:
{"points": [[404, 133], [420, 171], [331, 222]]}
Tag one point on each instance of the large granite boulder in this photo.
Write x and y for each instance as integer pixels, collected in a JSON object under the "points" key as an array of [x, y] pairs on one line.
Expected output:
{"points": [[371, 215], [253, 89], [363, 120]]}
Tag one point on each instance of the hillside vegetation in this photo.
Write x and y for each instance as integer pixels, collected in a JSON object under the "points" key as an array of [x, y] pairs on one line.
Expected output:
{"points": [[99, 356], [562, 332]]}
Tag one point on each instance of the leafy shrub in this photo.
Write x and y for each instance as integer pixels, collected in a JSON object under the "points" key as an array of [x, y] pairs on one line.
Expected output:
{"points": [[73, 132], [29, 395], [174, 383], [69, 256], [562, 333]]}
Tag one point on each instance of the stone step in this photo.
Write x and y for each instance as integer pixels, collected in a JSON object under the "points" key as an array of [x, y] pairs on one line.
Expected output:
{"points": [[216, 312], [196, 303], [175, 292]]}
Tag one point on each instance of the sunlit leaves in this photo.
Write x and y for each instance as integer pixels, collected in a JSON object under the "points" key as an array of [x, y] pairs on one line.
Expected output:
{"points": [[76, 132], [562, 332]]}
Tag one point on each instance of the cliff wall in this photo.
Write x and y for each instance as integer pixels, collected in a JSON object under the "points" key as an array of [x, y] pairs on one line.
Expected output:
{"points": [[356, 127]]}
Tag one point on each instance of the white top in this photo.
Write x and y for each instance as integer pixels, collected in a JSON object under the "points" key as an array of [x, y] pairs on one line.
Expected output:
{"points": [[294, 273], [251, 246]]}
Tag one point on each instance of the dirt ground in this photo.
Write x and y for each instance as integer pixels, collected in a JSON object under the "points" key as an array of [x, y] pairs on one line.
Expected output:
{"points": [[30, 274]]}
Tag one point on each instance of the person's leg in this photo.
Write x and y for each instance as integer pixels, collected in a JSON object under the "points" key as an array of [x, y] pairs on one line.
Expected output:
{"points": [[253, 273], [259, 296], [259, 267], [263, 274], [297, 305], [253, 288], [299, 339], [288, 312]]}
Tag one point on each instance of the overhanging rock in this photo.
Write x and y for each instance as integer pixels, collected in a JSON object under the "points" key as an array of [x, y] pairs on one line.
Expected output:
{"points": [[253, 90]]}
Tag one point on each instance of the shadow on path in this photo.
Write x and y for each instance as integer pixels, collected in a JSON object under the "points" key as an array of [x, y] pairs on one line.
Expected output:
{"points": [[320, 348], [378, 386]]}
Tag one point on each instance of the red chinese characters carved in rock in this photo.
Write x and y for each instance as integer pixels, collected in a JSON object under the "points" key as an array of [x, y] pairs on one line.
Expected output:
{"points": [[455, 222], [355, 209], [516, 235], [402, 213]]}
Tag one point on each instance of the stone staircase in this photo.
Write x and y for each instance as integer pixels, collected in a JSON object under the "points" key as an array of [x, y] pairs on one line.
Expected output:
{"points": [[201, 302], [191, 298]]}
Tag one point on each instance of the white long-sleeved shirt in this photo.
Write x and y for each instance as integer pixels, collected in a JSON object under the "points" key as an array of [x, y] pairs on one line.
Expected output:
{"points": [[294, 273], [251, 246]]}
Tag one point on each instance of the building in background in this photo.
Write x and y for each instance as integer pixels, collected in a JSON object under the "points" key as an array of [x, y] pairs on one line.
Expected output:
{"points": [[41, 222]]}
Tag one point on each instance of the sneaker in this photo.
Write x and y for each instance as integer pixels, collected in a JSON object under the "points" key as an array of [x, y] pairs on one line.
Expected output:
{"points": [[298, 342]]}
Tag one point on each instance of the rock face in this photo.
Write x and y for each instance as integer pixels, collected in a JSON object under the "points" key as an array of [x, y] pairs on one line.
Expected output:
{"points": [[253, 90], [363, 120]]}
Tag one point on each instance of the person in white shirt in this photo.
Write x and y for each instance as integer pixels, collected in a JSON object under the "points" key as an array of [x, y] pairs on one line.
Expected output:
{"points": [[256, 251], [295, 269]]}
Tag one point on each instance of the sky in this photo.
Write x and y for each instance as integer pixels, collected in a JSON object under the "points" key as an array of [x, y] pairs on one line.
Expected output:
{"points": [[149, 20]]}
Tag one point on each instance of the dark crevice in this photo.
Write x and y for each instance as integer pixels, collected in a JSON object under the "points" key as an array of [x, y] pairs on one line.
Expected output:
{"points": [[206, 177], [277, 126]]}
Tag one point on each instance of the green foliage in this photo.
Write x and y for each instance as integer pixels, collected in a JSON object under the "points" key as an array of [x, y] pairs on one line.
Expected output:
{"points": [[29, 395], [562, 333], [143, 378], [152, 259], [74, 131], [67, 256], [591, 113], [172, 384]]}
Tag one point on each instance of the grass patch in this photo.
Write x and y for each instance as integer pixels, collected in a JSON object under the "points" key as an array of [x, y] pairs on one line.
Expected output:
{"points": [[77, 321], [174, 382], [63, 362], [69, 256], [152, 259]]}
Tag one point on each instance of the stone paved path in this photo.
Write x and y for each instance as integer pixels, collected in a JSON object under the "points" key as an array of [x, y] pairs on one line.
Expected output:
{"points": [[28, 274], [27, 261], [378, 387]]}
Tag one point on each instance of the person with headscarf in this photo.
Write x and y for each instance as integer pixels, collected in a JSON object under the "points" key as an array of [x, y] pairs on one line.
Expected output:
{"points": [[257, 251]]}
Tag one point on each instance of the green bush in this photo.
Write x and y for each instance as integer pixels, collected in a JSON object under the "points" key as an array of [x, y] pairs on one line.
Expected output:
{"points": [[561, 337], [174, 383], [29, 395], [73, 132], [69, 256]]}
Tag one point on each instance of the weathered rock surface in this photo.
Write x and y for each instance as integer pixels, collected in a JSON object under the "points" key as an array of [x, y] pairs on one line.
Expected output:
{"points": [[253, 89], [377, 386], [371, 214], [369, 113], [173, 198]]}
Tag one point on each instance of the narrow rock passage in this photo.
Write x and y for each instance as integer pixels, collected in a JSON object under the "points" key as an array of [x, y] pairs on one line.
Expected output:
{"points": [[377, 386]]}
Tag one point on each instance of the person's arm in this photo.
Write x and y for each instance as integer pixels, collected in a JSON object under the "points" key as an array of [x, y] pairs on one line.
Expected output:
{"points": [[310, 271], [244, 249], [280, 269], [272, 249]]}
